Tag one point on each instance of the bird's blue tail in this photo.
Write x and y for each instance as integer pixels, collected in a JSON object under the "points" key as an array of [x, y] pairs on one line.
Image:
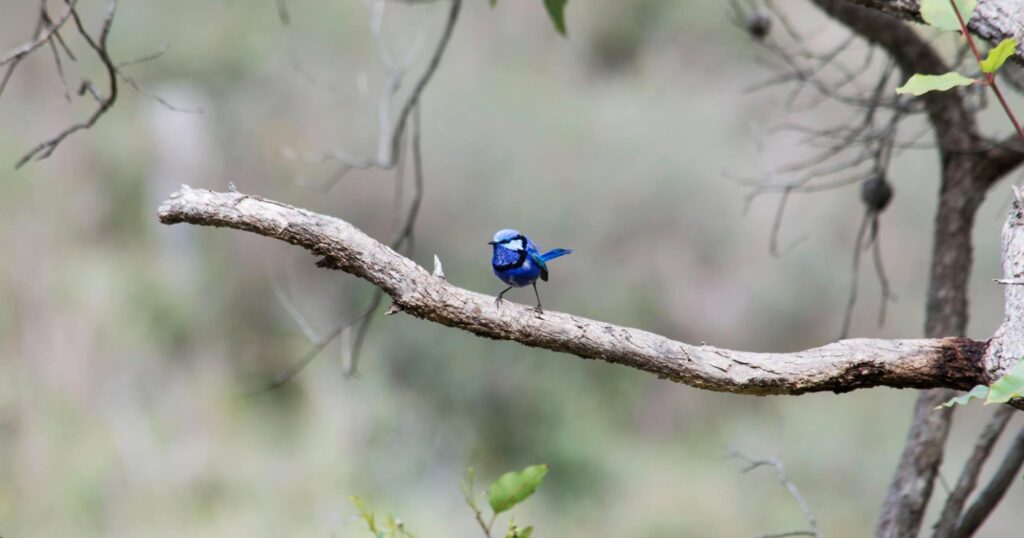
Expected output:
{"points": [[556, 253]]}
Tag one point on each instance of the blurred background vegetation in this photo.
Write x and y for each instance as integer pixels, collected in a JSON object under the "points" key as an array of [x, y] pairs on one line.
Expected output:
{"points": [[125, 345]]}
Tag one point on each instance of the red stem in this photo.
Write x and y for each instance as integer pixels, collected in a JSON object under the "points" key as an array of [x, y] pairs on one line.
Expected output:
{"points": [[990, 78]]}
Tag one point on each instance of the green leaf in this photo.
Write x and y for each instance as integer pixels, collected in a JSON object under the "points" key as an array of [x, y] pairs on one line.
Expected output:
{"points": [[494, 3], [977, 392], [939, 13], [922, 84], [1009, 386], [513, 488], [517, 532], [998, 56], [556, 10]]}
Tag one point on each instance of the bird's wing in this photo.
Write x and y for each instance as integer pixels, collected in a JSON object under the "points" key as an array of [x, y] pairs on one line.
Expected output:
{"points": [[540, 264]]}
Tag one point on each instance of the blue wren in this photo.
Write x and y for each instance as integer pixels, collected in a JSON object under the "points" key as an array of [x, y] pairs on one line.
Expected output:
{"points": [[518, 263]]}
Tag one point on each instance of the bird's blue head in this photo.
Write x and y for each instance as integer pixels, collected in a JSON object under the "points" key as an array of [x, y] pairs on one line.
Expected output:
{"points": [[509, 240]]}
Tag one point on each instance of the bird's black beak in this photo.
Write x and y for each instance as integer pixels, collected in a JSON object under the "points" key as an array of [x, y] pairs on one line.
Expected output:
{"points": [[491, 243]]}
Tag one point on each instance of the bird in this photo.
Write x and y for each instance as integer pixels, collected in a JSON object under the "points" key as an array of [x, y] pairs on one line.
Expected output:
{"points": [[518, 263]]}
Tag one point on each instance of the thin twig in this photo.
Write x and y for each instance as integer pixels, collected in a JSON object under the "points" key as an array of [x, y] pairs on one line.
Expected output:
{"points": [[149, 93], [883, 280], [50, 30], [45, 149], [783, 534], [391, 138], [145, 58], [780, 473], [403, 236], [60, 68], [851, 299], [989, 497], [289, 373], [969, 476]]}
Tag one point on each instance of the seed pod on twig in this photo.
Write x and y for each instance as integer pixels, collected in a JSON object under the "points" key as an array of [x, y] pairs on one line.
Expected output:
{"points": [[758, 25], [876, 193]]}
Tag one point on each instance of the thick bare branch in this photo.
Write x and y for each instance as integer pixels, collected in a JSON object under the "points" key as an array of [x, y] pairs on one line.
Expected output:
{"points": [[840, 367]]}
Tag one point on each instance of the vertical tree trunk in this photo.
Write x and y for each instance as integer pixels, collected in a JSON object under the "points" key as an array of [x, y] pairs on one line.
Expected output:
{"points": [[911, 487]]}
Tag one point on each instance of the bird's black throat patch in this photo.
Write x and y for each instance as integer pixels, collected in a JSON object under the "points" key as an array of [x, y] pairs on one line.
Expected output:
{"points": [[515, 264]]}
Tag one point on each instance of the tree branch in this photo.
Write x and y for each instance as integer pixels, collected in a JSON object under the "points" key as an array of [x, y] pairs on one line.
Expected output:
{"points": [[955, 127], [966, 174], [99, 45], [956, 363], [969, 477], [780, 473], [993, 20], [994, 491], [19, 52]]}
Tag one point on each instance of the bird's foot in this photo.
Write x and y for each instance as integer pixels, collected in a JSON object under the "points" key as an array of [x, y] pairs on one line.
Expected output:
{"points": [[497, 302], [538, 310]]}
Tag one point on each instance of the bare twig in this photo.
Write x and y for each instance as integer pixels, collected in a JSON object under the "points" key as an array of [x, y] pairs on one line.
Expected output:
{"points": [[390, 155], [287, 374], [867, 237], [352, 370], [969, 476], [43, 37], [851, 299], [145, 58], [43, 23], [989, 497], [470, 496], [883, 280], [99, 46], [148, 93], [390, 137], [403, 236], [289, 306], [780, 473], [48, 32]]}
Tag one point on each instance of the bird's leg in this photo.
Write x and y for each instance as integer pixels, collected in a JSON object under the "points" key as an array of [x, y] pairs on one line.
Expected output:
{"points": [[538, 309], [497, 302]]}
